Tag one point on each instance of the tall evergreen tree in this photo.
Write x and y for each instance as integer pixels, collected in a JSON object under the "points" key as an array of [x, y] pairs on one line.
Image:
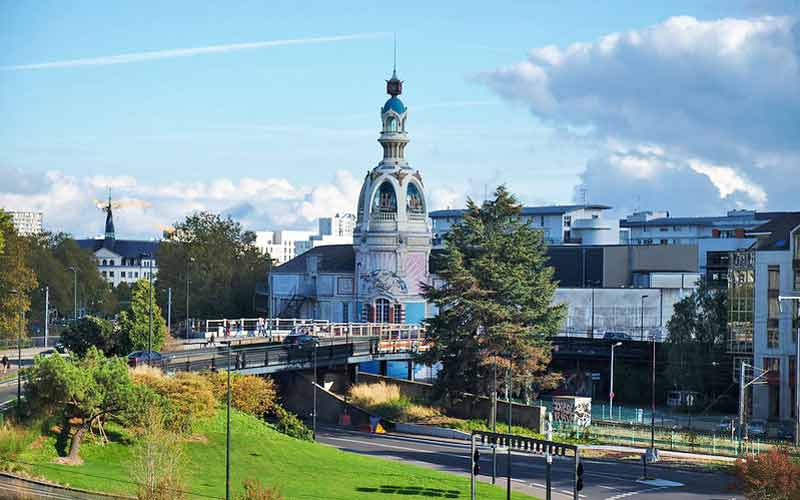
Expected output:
{"points": [[134, 322], [495, 307]]}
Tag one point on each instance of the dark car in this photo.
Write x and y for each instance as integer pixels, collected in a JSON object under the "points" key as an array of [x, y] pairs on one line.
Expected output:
{"points": [[153, 358], [300, 341], [60, 348], [616, 336]]}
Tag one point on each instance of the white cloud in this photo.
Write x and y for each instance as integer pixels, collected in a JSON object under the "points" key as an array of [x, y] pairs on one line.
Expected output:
{"points": [[187, 52], [68, 202], [717, 101]]}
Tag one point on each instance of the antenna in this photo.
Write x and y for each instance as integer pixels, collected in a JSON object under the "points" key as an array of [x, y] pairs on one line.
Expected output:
{"points": [[394, 66]]}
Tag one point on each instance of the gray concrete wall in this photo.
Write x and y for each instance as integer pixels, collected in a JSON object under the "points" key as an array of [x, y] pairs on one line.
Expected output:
{"points": [[297, 395], [477, 407]]}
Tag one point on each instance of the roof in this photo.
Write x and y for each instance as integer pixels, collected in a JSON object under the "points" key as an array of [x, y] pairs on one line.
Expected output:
{"points": [[543, 210], [395, 104], [332, 259], [123, 248], [752, 218], [777, 232]]}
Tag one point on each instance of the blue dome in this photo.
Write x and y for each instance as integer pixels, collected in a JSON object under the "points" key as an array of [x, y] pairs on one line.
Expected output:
{"points": [[394, 104]]}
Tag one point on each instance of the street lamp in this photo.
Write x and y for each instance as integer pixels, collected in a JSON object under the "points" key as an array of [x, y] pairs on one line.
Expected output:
{"points": [[611, 387], [228, 429], [781, 298], [188, 324], [149, 257], [19, 352], [75, 291], [314, 411]]}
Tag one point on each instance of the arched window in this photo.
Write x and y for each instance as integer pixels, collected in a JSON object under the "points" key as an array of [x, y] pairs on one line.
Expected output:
{"points": [[391, 124], [385, 200], [382, 311], [105, 262], [414, 203]]}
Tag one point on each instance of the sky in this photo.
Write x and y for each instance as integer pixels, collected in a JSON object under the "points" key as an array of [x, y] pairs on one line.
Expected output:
{"points": [[269, 111]]}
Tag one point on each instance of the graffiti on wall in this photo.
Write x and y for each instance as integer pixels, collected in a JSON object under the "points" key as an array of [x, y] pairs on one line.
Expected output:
{"points": [[572, 410]]}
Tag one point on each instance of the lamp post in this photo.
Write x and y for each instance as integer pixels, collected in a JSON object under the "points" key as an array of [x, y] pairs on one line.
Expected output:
{"points": [[781, 298], [228, 429], [75, 291], [19, 352], [611, 386], [188, 323], [314, 411], [508, 402]]}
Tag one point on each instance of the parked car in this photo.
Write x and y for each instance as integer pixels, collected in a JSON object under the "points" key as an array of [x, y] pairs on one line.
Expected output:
{"points": [[757, 429], [52, 352], [152, 358], [616, 336], [300, 341], [60, 348], [781, 430]]}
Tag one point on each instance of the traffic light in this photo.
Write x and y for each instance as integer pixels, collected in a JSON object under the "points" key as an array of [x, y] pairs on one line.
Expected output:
{"points": [[476, 467], [579, 475]]}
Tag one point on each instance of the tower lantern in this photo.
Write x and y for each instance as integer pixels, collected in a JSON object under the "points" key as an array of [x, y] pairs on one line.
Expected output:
{"points": [[394, 86]]}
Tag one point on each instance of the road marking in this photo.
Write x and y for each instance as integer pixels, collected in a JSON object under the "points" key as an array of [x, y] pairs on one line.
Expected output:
{"points": [[631, 493]]}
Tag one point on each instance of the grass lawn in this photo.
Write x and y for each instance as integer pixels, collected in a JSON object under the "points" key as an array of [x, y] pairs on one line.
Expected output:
{"points": [[301, 469]]}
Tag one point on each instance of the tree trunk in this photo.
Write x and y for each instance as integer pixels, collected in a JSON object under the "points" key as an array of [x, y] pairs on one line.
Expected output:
{"points": [[75, 446]]}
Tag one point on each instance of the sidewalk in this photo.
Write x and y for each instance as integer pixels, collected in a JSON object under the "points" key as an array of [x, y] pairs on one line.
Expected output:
{"points": [[665, 453]]}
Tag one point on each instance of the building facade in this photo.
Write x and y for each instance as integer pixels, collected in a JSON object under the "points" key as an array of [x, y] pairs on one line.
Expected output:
{"points": [[284, 245], [559, 224], [26, 223], [121, 261]]}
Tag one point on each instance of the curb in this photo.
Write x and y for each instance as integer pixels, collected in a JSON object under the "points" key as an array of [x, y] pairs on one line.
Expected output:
{"points": [[431, 430], [70, 492]]}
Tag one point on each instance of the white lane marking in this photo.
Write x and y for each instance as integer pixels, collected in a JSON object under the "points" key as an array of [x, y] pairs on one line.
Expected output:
{"points": [[660, 482], [631, 493], [606, 487]]}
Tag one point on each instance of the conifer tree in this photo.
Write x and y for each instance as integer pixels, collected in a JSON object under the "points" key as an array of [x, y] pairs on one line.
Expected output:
{"points": [[134, 323], [495, 308]]}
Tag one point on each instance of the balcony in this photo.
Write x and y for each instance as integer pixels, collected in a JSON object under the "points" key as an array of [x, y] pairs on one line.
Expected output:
{"points": [[383, 216]]}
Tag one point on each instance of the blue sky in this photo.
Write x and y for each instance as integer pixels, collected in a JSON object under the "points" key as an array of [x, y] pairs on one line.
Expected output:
{"points": [[300, 113]]}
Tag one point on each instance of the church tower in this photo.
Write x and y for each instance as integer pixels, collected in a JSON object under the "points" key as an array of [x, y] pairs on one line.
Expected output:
{"points": [[392, 240]]}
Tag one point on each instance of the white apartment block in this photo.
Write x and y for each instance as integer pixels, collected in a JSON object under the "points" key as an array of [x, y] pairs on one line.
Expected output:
{"points": [[26, 223], [284, 245]]}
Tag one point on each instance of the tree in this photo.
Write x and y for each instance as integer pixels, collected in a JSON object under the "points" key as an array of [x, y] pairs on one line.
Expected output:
{"points": [[17, 280], [84, 390], [157, 459], [91, 331], [223, 274], [495, 306], [135, 323], [697, 333]]}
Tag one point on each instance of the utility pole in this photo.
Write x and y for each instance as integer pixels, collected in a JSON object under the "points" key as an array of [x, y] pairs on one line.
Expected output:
{"points": [[494, 419], [46, 313], [653, 402], [611, 386], [741, 403], [508, 401]]}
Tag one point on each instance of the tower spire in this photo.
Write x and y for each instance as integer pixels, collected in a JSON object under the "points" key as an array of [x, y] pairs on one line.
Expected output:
{"points": [[394, 66], [110, 236]]}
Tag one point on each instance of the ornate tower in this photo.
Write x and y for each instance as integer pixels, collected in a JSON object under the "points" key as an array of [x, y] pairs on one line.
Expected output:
{"points": [[392, 240]]}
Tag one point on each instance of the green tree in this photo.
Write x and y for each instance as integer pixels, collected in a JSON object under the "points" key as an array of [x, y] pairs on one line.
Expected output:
{"points": [[83, 390], [135, 324], [5, 222], [696, 341], [17, 280], [91, 331], [222, 263], [495, 306]]}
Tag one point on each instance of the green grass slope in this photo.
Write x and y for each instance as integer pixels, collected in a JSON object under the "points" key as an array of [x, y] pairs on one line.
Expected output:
{"points": [[302, 470]]}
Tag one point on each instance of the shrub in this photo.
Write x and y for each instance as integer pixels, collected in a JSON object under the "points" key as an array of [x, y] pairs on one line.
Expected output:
{"points": [[371, 395], [249, 393], [772, 475], [157, 460], [190, 396], [13, 441], [254, 490], [289, 424]]}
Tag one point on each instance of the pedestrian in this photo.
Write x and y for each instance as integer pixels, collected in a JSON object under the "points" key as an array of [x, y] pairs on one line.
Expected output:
{"points": [[6, 364], [212, 339]]}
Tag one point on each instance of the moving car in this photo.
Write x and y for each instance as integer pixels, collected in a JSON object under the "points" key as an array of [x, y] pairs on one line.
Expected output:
{"points": [[757, 429], [152, 358], [300, 341], [616, 336]]}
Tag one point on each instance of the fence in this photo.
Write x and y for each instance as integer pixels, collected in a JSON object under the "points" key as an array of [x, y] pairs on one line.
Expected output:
{"points": [[26, 343]]}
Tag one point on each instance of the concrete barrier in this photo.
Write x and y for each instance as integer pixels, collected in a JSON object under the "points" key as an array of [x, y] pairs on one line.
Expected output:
{"points": [[16, 487]]}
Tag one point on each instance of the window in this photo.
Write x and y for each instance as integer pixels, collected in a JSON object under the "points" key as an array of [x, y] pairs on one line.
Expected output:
{"points": [[414, 203], [773, 339], [345, 312], [105, 262], [391, 124], [136, 274], [797, 245], [382, 311], [385, 199], [122, 274], [773, 365], [797, 279], [103, 273], [111, 262], [111, 274], [567, 221], [663, 229], [774, 278], [774, 308], [665, 242], [398, 313]]}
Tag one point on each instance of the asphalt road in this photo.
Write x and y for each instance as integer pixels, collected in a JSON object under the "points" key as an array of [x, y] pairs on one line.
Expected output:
{"points": [[603, 479], [8, 391]]}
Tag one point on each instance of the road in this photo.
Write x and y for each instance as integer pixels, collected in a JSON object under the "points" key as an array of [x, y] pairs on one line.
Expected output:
{"points": [[603, 479], [8, 391]]}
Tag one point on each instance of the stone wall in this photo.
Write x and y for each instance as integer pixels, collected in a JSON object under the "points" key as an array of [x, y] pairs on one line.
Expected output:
{"points": [[297, 395]]}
